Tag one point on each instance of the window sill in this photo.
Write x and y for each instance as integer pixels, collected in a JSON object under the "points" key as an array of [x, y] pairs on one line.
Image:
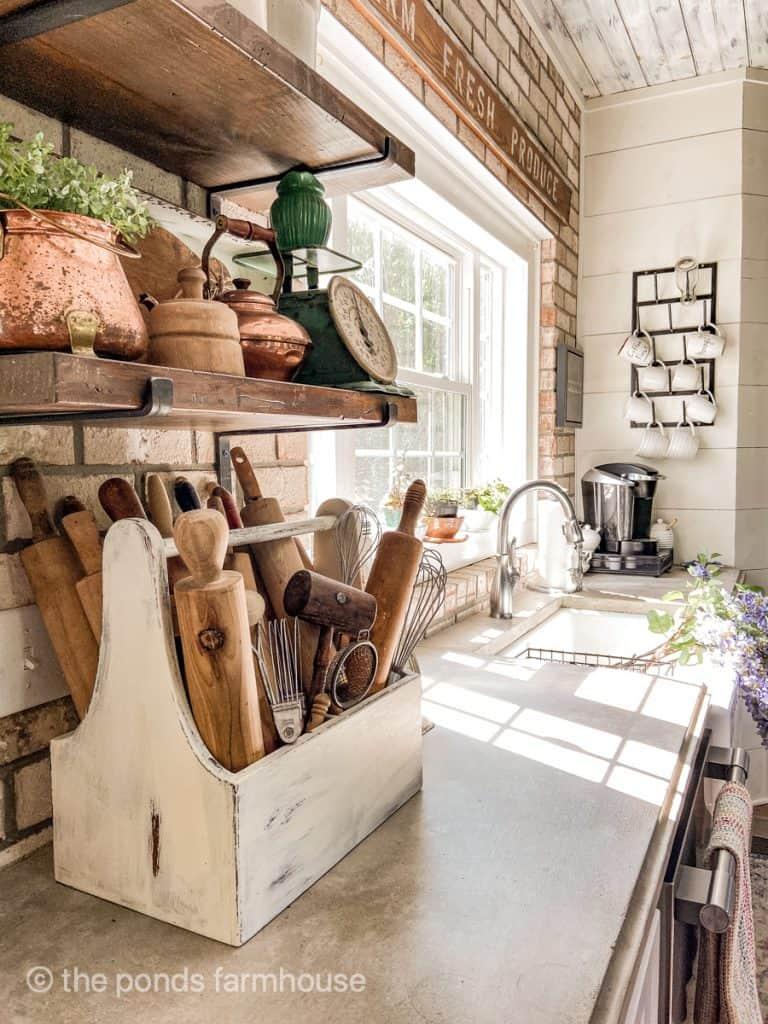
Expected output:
{"points": [[475, 548]]}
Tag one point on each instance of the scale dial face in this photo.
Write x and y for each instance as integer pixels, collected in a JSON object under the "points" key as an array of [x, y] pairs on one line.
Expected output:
{"points": [[362, 330]]}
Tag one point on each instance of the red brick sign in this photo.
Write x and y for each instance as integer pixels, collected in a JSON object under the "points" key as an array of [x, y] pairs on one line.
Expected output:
{"points": [[413, 29]]}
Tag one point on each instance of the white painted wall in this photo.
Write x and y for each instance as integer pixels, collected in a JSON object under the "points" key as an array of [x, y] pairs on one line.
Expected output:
{"points": [[670, 172]]}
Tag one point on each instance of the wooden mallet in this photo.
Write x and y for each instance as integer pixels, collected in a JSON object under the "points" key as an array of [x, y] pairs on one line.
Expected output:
{"points": [[331, 606]]}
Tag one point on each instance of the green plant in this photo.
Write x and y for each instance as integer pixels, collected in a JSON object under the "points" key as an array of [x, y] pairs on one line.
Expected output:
{"points": [[442, 503], [491, 497], [31, 173]]}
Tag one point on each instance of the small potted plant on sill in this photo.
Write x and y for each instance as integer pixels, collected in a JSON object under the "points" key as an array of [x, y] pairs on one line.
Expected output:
{"points": [[481, 506], [64, 227], [441, 515]]}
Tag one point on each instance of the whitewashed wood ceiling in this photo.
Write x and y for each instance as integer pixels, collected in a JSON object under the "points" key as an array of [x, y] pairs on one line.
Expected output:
{"points": [[611, 46]]}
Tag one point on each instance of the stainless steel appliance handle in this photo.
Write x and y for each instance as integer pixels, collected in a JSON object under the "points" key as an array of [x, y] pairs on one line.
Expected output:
{"points": [[705, 896]]}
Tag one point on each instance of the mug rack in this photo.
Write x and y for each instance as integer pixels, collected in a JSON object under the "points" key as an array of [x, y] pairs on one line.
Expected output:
{"points": [[656, 283]]}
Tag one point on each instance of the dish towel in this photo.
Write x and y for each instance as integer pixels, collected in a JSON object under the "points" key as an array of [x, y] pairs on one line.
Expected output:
{"points": [[726, 988]]}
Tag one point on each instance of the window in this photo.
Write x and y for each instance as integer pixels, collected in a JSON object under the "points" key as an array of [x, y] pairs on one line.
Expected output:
{"points": [[443, 303]]}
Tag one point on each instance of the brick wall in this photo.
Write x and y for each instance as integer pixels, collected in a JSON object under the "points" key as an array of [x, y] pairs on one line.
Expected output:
{"points": [[76, 460], [496, 36]]}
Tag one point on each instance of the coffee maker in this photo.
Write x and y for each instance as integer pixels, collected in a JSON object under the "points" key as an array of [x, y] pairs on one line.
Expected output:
{"points": [[618, 502]]}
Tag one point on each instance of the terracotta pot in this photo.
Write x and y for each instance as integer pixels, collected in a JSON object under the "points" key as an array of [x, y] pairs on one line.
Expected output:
{"points": [[443, 527], [62, 293]]}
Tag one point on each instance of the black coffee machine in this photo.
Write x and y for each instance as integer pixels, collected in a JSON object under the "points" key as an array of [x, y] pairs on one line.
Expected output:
{"points": [[618, 501]]}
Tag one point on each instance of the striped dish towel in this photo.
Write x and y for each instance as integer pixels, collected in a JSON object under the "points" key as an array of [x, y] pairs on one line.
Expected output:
{"points": [[726, 988]]}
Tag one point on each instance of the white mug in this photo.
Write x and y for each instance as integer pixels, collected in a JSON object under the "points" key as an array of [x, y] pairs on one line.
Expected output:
{"points": [[686, 376], [653, 378], [654, 442], [705, 344], [683, 442], [702, 408], [637, 348], [639, 408]]}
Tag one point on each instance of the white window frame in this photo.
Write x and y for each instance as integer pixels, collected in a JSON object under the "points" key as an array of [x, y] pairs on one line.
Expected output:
{"points": [[450, 170]]}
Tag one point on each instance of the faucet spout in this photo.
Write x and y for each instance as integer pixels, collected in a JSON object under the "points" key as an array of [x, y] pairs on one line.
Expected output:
{"points": [[507, 576]]}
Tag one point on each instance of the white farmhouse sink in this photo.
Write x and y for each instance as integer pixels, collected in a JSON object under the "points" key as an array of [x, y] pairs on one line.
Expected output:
{"points": [[586, 632]]}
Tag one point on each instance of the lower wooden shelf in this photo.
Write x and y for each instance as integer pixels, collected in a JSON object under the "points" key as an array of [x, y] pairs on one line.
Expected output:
{"points": [[47, 384]]}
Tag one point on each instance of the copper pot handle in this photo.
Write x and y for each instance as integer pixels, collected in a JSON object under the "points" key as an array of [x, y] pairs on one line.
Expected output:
{"points": [[124, 249], [249, 232]]}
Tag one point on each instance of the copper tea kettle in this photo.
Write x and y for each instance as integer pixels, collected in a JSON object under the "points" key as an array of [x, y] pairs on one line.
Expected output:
{"points": [[274, 346]]}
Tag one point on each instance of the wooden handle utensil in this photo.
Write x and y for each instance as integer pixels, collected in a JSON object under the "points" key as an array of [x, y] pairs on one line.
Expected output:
{"points": [[161, 514], [216, 640], [276, 560], [53, 573], [331, 606], [186, 494], [392, 577], [120, 501], [84, 536]]}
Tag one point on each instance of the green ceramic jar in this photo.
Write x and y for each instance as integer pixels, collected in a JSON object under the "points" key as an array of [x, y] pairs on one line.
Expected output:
{"points": [[300, 215]]}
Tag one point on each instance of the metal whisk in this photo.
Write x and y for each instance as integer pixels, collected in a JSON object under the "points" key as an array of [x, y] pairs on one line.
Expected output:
{"points": [[277, 655], [358, 532], [426, 601]]}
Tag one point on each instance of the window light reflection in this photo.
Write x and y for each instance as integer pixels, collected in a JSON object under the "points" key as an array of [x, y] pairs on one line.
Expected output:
{"points": [[462, 699], [458, 721], [585, 766], [649, 759], [587, 738], [614, 688], [637, 784]]}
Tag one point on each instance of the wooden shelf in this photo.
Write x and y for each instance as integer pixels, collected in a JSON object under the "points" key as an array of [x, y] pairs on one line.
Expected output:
{"points": [[198, 89], [44, 384]]}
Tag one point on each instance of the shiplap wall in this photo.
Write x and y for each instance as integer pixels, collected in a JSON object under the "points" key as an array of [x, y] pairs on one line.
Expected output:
{"points": [[684, 171]]}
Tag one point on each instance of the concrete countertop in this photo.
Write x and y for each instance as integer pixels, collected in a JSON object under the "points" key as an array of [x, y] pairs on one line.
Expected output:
{"points": [[496, 896]]}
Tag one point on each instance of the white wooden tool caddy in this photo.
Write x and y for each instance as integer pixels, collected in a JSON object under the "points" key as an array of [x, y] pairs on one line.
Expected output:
{"points": [[143, 815]]}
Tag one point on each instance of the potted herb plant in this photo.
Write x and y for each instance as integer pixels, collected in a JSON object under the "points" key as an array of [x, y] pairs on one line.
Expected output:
{"points": [[441, 515], [64, 226], [481, 506]]}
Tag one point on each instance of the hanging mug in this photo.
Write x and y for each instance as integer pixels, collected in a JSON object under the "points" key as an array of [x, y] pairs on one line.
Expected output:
{"points": [[637, 348], [706, 344], [653, 378], [683, 442], [686, 376], [654, 443], [702, 408], [639, 408]]}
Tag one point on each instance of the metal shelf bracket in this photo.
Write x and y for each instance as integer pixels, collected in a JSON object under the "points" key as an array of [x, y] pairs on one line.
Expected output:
{"points": [[48, 15], [158, 402], [223, 445], [236, 188]]}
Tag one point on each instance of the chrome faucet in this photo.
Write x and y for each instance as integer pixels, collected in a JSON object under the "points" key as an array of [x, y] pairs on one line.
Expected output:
{"points": [[507, 575]]}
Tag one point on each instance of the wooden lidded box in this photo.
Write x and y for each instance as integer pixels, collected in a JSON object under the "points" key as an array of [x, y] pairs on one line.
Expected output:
{"points": [[143, 815]]}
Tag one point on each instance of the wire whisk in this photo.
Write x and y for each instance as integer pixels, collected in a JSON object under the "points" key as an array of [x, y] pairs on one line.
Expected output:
{"points": [[277, 655], [357, 534], [426, 601]]}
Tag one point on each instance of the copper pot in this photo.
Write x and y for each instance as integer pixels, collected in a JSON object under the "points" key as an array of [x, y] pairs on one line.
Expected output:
{"points": [[274, 347], [62, 287], [443, 527]]}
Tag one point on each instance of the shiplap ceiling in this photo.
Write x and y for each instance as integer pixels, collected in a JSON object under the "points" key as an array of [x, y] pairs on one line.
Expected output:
{"points": [[612, 46]]}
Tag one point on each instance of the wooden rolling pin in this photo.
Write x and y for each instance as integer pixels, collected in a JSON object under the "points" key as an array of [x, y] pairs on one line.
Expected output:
{"points": [[161, 514], [276, 560], [331, 606], [53, 573], [392, 577], [216, 639], [256, 608], [83, 533], [119, 500]]}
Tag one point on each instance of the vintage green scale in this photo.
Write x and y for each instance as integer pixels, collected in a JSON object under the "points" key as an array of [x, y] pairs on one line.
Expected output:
{"points": [[351, 346]]}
